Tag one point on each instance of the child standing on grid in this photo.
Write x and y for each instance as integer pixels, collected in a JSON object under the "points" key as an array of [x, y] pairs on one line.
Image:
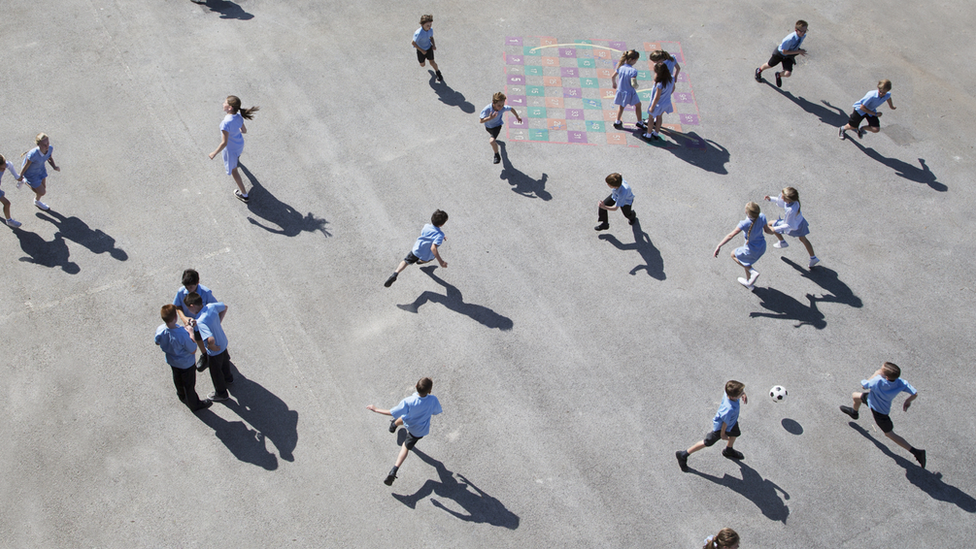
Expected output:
{"points": [[626, 86], [663, 88], [794, 224], [423, 42]]}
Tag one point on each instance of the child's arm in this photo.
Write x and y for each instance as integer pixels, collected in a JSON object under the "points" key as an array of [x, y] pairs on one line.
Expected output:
{"points": [[212, 344], [372, 408], [517, 117], [50, 160], [222, 313], [677, 70], [23, 169], [724, 436], [890, 104], [775, 200], [433, 248], [223, 143], [432, 45], [613, 79], [243, 128], [493, 114], [908, 402], [603, 206], [745, 398], [418, 47], [657, 96], [728, 237]]}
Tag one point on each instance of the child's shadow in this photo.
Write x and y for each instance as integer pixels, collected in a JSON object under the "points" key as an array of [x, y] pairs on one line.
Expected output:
{"points": [[455, 302], [828, 280], [448, 95], [522, 184], [828, 114], [700, 152], [480, 507], [929, 482], [653, 263], [228, 10], [247, 445], [762, 492], [78, 231], [904, 169], [47, 254], [786, 308], [268, 414], [264, 205]]}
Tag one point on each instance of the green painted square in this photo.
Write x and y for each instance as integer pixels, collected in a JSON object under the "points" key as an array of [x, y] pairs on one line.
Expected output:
{"points": [[586, 63], [539, 135], [533, 70], [535, 90], [536, 112], [596, 126], [592, 104], [646, 95], [527, 51], [643, 75], [589, 83]]}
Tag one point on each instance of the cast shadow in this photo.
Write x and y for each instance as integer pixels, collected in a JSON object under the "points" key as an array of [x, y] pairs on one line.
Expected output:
{"points": [[761, 492], [827, 113], [455, 302], [792, 426], [928, 481], [264, 205], [699, 152], [829, 281], [479, 506], [246, 445], [785, 307], [228, 10], [653, 263], [46, 254], [521, 183], [264, 411], [904, 169], [448, 95], [76, 230]]}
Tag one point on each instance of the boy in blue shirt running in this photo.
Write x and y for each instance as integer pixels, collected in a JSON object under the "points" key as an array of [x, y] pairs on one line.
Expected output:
{"points": [[426, 247], [882, 388], [786, 53], [725, 425], [621, 197], [179, 347], [493, 117], [414, 413], [867, 107], [423, 42]]}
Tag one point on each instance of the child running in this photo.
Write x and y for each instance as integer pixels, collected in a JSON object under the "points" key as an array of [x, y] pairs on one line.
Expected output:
{"points": [[867, 107], [414, 413], [426, 247], [725, 425], [755, 246], [663, 88], [661, 56], [626, 91], [7, 166], [621, 197], [423, 42], [786, 53], [33, 169], [232, 129], [794, 225], [492, 117]]}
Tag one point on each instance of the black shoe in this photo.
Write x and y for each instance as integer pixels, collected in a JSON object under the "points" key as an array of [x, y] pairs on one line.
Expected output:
{"points": [[860, 133], [682, 456], [779, 81], [732, 453], [204, 405], [389, 281], [633, 219], [618, 125], [841, 134], [655, 137], [758, 74], [602, 226], [641, 125], [203, 362], [218, 398], [850, 411], [919, 456], [391, 477], [497, 159], [240, 196], [440, 78], [229, 379], [393, 425]]}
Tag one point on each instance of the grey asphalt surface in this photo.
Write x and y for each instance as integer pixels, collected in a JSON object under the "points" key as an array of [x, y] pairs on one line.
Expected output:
{"points": [[570, 364]]}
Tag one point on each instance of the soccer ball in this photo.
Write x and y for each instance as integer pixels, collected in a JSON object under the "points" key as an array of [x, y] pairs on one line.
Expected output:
{"points": [[777, 393]]}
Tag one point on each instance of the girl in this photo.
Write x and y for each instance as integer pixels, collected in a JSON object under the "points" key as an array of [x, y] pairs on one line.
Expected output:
{"points": [[626, 94], [726, 538], [867, 107], [661, 56], [232, 140], [6, 165], [794, 224], [663, 88], [34, 171], [754, 225]]}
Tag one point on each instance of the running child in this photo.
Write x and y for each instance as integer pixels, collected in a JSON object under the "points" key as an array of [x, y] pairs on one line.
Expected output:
{"points": [[232, 129], [725, 425], [414, 413], [661, 56], [626, 91], [191, 283], [492, 117], [423, 42], [882, 388], [747, 255], [8, 166], [663, 88], [726, 538], [786, 53], [794, 225], [34, 171], [621, 197], [175, 341], [426, 247], [867, 107]]}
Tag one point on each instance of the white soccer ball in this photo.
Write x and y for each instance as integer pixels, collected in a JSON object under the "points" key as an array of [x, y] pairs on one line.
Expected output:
{"points": [[778, 393]]}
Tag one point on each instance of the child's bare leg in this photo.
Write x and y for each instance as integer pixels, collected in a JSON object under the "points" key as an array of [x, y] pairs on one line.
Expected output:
{"points": [[41, 189], [857, 400], [764, 67], [401, 267], [657, 123], [872, 129], [731, 442], [786, 74], [696, 447], [806, 244], [748, 269], [433, 65], [402, 456], [237, 179], [898, 440], [494, 145], [639, 112], [620, 113], [6, 208]]}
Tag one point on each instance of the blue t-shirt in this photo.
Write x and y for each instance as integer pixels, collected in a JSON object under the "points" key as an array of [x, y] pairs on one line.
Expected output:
{"points": [[429, 235], [416, 411], [204, 292], [882, 392], [791, 42], [422, 38], [622, 195], [178, 346], [209, 324], [754, 239], [37, 169], [728, 413], [498, 120], [670, 64], [625, 73], [872, 100], [235, 139]]}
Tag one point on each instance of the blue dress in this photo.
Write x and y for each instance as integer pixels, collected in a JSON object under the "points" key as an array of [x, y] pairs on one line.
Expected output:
{"points": [[37, 172], [755, 245], [235, 140], [626, 94]]}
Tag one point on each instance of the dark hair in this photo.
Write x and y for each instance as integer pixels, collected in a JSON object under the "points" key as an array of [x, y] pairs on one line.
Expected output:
{"points": [[891, 371], [614, 179], [628, 55], [235, 104], [192, 299], [662, 74], [734, 388], [439, 218], [424, 386], [659, 56], [191, 277], [726, 537], [168, 313], [801, 24]]}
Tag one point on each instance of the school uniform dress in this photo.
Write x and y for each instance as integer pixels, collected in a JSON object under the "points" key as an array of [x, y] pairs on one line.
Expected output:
{"points": [[235, 140], [626, 94], [755, 245], [794, 224], [664, 103], [37, 171]]}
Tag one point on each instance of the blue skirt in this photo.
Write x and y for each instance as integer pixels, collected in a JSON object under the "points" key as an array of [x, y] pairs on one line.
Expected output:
{"points": [[748, 256], [626, 98]]}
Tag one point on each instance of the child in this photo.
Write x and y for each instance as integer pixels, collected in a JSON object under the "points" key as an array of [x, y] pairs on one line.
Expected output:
{"points": [[661, 56], [794, 224], [492, 117], [626, 94], [425, 249], [786, 53], [6, 165], [232, 129], [663, 88], [34, 171], [423, 41], [755, 245], [882, 388], [179, 348], [191, 283], [413, 413], [209, 321], [726, 538], [725, 425], [620, 197], [867, 107]]}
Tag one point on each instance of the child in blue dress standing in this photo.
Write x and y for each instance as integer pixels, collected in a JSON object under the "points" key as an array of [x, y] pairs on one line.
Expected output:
{"points": [[661, 56], [746, 256], [232, 129], [663, 88], [625, 86], [794, 224], [867, 107], [33, 169]]}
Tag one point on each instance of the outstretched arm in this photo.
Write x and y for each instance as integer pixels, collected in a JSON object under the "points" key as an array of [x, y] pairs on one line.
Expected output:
{"points": [[725, 240], [433, 248], [372, 408]]}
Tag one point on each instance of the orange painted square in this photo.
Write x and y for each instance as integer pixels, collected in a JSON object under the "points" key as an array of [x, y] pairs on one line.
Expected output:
{"points": [[601, 54], [604, 73], [554, 103], [607, 93], [550, 61], [651, 46], [547, 41], [611, 115], [616, 138], [555, 81], [556, 125]]}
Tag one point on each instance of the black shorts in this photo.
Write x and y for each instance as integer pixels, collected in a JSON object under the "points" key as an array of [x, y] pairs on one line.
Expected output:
{"points": [[421, 57], [196, 335], [714, 436], [412, 259], [411, 440], [494, 131], [856, 117], [883, 420], [786, 60]]}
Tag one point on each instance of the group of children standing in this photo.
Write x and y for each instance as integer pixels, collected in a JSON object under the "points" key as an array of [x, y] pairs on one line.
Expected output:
{"points": [[624, 80]]}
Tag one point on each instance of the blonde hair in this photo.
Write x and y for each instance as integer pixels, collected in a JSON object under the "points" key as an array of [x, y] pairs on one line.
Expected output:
{"points": [[884, 85], [753, 211], [499, 96], [629, 54], [37, 141], [427, 18]]}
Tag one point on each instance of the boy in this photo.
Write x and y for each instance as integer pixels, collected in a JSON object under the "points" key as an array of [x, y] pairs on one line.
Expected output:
{"points": [[492, 117], [208, 320], [867, 107], [882, 388], [621, 197], [423, 41], [179, 348], [725, 426], [426, 247], [191, 283], [413, 413], [786, 53]]}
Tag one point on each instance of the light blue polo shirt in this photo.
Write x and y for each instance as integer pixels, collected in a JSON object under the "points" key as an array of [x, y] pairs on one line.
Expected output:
{"points": [[498, 120], [205, 294], [177, 345], [728, 413], [430, 235], [209, 324], [416, 411], [422, 38], [791, 42], [872, 100], [882, 392], [622, 195]]}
